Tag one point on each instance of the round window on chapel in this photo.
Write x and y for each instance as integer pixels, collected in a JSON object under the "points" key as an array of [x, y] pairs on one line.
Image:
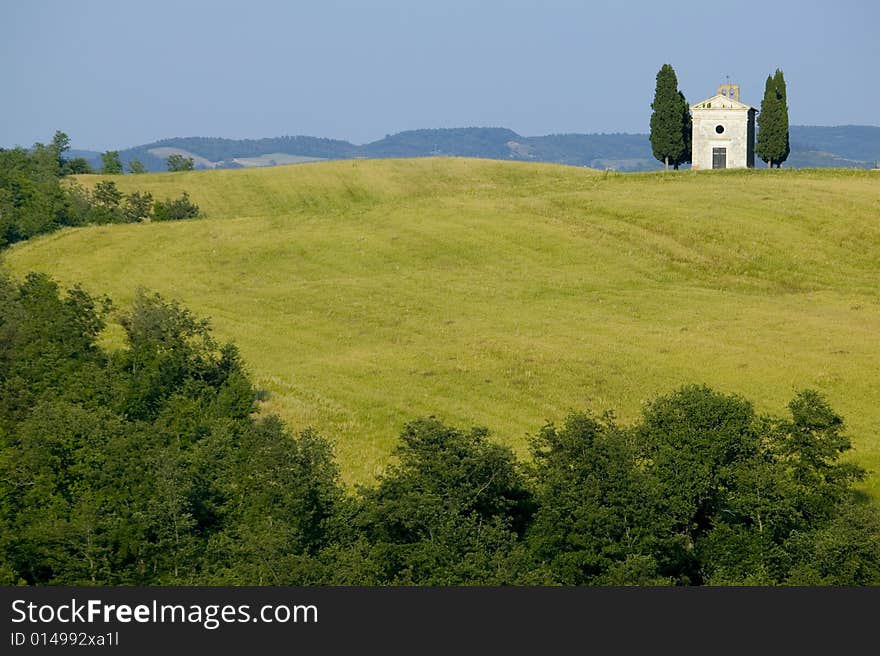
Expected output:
{"points": [[719, 129]]}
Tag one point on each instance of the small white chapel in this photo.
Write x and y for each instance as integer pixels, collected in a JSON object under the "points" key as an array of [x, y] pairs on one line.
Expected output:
{"points": [[723, 134]]}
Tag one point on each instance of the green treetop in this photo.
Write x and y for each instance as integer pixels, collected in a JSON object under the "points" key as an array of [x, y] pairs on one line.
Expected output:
{"points": [[178, 162], [111, 163], [136, 166]]}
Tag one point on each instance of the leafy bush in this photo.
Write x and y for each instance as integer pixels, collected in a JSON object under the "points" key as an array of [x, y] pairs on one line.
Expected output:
{"points": [[137, 207], [77, 166], [173, 210]]}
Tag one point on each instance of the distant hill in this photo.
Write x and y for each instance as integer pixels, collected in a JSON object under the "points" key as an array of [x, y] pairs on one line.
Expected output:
{"points": [[848, 146]]}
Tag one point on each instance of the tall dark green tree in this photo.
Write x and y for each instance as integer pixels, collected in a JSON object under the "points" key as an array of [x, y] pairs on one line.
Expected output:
{"points": [[773, 140], [779, 81], [670, 121], [111, 163], [688, 126]]}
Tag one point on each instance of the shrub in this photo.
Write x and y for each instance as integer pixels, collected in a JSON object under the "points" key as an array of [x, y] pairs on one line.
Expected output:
{"points": [[137, 207], [172, 210]]}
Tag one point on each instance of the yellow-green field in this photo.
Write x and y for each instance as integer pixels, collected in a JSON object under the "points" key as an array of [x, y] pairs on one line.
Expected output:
{"points": [[365, 293]]}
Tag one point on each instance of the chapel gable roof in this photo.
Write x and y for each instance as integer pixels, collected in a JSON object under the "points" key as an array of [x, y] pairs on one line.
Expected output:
{"points": [[719, 101]]}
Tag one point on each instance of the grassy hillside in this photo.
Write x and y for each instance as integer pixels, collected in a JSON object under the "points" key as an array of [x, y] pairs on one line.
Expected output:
{"points": [[365, 293]]}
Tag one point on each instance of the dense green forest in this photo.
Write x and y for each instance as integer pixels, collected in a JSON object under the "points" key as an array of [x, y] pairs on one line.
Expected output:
{"points": [[849, 146], [149, 465]]}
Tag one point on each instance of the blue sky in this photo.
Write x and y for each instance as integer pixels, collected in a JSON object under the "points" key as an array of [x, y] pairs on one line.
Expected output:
{"points": [[115, 74]]}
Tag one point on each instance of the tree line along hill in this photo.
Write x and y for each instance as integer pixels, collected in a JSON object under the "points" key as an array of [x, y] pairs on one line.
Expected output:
{"points": [[146, 465], [849, 146]]}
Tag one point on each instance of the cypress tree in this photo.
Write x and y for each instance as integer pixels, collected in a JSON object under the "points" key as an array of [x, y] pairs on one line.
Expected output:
{"points": [[670, 120], [779, 81], [766, 124], [773, 141], [687, 130]]}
